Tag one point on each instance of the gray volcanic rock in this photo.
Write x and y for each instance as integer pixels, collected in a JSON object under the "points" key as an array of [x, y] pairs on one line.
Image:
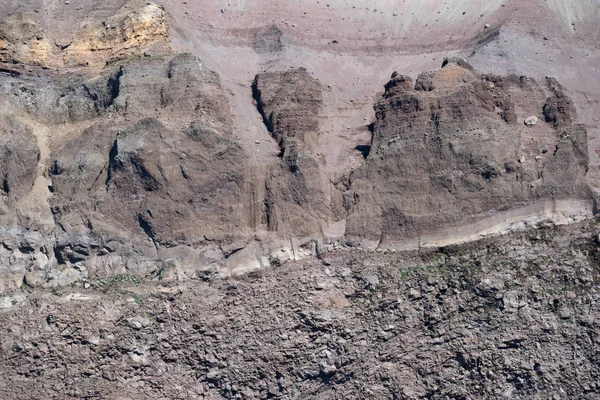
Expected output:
{"points": [[144, 186], [142, 166], [160, 175], [181, 187], [268, 40], [149, 177], [453, 151], [289, 103], [514, 317], [19, 156], [198, 200]]}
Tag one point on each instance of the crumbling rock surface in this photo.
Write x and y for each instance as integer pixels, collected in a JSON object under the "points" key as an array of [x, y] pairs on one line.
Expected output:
{"points": [[559, 109], [454, 149], [154, 245], [181, 187], [296, 190], [290, 103], [19, 155], [126, 156], [23, 40], [157, 180], [509, 318]]}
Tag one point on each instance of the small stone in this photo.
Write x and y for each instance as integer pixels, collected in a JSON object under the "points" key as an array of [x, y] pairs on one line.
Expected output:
{"points": [[5, 303], [212, 374], [137, 325], [565, 313], [371, 281], [531, 121], [327, 369], [486, 26], [86, 285]]}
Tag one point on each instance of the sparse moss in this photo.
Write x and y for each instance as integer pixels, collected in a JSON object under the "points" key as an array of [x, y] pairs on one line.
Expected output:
{"points": [[115, 282]]}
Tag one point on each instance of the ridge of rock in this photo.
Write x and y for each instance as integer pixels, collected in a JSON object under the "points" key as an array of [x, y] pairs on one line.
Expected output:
{"points": [[450, 150]]}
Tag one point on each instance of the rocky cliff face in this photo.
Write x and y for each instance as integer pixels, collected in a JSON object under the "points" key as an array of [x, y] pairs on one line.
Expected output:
{"points": [[157, 167], [457, 146], [209, 201], [149, 170], [153, 177], [296, 200]]}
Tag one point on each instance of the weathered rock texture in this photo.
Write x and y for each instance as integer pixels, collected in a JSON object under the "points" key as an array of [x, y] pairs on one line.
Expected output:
{"points": [[118, 156], [19, 155], [509, 318], [23, 40], [134, 173], [162, 179], [453, 149], [148, 173], [296, 190], [156, 165]]}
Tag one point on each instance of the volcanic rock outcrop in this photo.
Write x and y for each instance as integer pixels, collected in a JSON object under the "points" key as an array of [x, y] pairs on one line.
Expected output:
{"points": [[19, 155], [23, 40], [119, 155], [296, 194], [198, 199], [453, 149], [158, 179]]}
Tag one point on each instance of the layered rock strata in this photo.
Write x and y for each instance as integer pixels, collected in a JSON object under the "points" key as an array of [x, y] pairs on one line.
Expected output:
{"points": [[24, 41]]}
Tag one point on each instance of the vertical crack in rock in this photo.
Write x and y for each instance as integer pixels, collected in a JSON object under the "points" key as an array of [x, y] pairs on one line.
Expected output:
{"points": [[5, 186], [114, 86]]}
